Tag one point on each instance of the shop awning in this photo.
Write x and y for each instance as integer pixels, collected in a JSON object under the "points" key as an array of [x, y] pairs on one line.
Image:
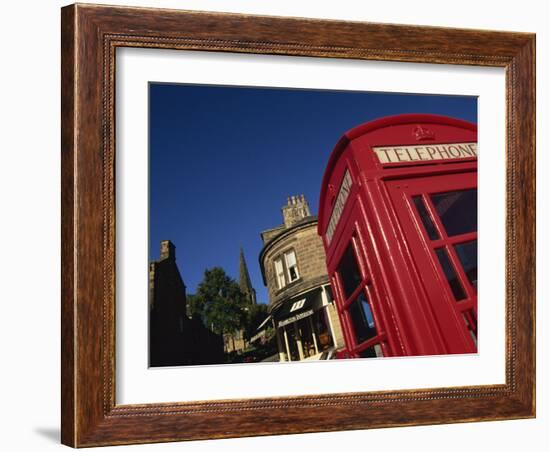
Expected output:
{"points": [[261, 331], [268, 318], [299, 308]]}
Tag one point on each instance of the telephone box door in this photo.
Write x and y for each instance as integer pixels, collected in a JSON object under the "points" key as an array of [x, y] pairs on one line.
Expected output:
{"points": [[438, 215]]}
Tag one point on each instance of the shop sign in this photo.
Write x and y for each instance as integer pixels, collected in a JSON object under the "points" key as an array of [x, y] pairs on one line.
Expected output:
{"points": [[295, 318], [398, 154], [338, 208]]}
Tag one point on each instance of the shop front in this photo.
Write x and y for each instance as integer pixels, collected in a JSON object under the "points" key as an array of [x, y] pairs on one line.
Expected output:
{"points": [[398, 220], [303, 325]]}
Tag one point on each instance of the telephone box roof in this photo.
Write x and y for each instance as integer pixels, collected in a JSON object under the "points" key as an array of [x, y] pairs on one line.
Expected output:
{"points": [[380, 123]]}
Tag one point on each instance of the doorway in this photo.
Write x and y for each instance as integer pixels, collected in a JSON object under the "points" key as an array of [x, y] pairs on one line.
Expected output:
{"points": [[438, 215]]}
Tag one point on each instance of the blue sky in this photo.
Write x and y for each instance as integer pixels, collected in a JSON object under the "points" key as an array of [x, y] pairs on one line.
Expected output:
{"points": [[224, 159]]}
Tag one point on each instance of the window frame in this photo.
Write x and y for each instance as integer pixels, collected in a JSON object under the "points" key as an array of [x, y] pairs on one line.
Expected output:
{"points": [[447, 243], [365, 287], [282, 258], [279, 274], [292, 252]]}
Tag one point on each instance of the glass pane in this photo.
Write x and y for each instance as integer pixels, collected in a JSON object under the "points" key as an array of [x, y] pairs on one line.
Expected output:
{"points": [[471, 323], [290, 258], [349, 271], [321, 329], [362, 319], [293, 273], [329, 293], [372, 352], [425, 217], [279, 273], [292, 343], [457, 210], [450, 274], [467, 254]]}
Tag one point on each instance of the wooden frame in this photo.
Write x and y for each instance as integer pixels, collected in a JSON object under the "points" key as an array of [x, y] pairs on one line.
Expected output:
{"points": [[90, 35]]}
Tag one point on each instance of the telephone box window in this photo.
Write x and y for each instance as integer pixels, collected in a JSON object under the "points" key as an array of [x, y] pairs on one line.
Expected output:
{"points": [[470, 319], [362, 319], [467, 254], [349, 271], [450, 274], [425, 217], [372, 352], [457, 210]]}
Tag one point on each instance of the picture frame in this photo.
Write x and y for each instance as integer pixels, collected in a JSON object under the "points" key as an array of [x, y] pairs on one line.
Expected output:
{"points": [[90, 36]]}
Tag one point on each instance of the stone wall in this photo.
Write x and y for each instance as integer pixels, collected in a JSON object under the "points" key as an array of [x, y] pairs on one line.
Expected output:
{"points": [[336, 326], [310, 257]]}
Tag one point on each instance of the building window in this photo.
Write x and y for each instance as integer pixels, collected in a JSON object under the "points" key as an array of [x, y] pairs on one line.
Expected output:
{"points": [[286, 269], [279, 273], [291, 266]]}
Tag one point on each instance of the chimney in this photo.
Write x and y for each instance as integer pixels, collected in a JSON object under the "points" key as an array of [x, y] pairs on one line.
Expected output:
{"points": [[296, 209], [167, 250]]}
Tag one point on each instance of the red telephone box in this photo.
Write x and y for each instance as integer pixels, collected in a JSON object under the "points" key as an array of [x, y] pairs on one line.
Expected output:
{"points": [[398, 219]]}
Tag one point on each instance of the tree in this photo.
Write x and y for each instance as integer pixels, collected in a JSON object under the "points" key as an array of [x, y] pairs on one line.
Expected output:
{"points": [[193, 308], [219, 302]]}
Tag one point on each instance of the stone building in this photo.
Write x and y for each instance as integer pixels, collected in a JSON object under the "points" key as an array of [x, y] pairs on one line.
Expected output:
{"points": [[174, 338], [234, 342], [293, 267]]}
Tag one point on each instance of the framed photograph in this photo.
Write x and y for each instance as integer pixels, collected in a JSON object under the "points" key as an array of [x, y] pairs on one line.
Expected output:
{"points": [[270, 225]]}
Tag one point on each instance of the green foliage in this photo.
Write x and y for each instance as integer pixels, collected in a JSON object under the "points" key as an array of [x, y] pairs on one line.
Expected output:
{"points": [[219, 302], [193, 308], [223, 307]]}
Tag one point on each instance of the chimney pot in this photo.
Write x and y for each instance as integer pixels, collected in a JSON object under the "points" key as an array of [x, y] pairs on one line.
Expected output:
{"points": [[167, 250]]}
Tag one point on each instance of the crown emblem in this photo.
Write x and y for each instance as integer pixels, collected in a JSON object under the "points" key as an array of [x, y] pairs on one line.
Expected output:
{"points": [[422, 133]]}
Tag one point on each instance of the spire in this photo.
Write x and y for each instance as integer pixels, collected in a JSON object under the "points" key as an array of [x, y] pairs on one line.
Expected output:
{"points": [[244, 280]]}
